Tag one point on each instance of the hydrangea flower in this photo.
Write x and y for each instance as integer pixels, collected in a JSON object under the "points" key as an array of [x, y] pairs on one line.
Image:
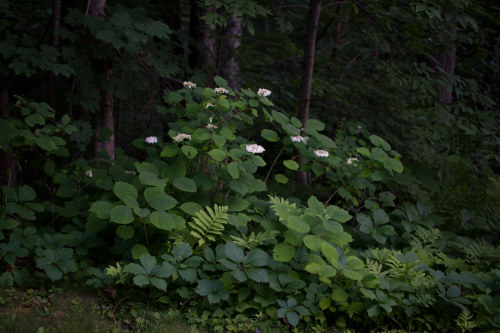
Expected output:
{"points": [[321, 153], [151, 139], [221, 90], [350, 160], [263, 92], [254, 149], [181, 137], [299, 138], [189, 84], [88, 173]]}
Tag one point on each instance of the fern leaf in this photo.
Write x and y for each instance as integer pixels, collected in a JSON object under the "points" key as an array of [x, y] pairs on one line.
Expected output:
{"points": [[206, 224]]}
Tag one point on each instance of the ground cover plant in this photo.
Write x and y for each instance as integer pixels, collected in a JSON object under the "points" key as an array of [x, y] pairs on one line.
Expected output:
{"points": [[135, 200]]}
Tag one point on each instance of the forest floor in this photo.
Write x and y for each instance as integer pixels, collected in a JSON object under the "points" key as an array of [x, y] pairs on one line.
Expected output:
{"points": [[57, 310]]}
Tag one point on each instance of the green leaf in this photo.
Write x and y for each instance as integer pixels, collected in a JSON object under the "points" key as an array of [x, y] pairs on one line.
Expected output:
{"points": [[170, 150], [158, 283], [26, 193], [233, 170], [256, 257], [270, 135], [34, 119], [338, 214], [354, 262], [315, 124], [281, 178], [125, 232], [162, 220], [217, 154], [326, 141], [237, 204], [159, 201], [283, 252], [122, 214], [330, 253], [238, 186], [45, 143], [258, 275], [173, 97], [234, 252], [297, 224], [379, 142], [293, 318], [185, 184], [190, 207], [291, 164], [138, 250], [395, 165], [313, 242], [220, 81], [380, 217], [102, 209], [280, 118], [189, 151], [340, 295], [123, 190], [364, 151]]}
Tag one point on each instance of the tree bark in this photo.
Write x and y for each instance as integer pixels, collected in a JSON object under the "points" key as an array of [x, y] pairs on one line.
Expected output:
{"points": [[446, 60], [307, 70], [56, 22], [104, 118], [202, 55], [228, 66]]}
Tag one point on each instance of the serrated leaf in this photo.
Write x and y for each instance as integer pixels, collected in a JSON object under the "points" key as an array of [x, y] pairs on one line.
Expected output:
{"points": [[283, 252], [257, 275], [338, 214], [330, 253], [313, 242], [256, 257]]}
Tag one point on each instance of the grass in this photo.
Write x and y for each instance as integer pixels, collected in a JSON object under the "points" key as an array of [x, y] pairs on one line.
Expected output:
{"points": [[56, 311]]}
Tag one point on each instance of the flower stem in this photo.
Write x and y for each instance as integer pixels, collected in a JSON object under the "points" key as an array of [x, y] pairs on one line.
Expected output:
{"points": [[274, 162]]}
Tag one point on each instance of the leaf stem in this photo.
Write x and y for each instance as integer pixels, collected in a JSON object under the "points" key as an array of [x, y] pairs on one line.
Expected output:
{"points": [[274, 162]]}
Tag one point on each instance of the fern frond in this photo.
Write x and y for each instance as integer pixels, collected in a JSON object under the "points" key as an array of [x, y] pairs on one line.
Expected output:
{"points": [[209, 223]]}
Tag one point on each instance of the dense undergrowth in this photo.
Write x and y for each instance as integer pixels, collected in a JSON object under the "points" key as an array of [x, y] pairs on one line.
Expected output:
{"points": [[209, 221]]}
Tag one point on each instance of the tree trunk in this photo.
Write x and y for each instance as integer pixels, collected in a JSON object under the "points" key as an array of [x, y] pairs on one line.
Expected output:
{"points": [[228, 66], [202, 55], [103, 120], [56, 22], [307, 70], [446, 61]]}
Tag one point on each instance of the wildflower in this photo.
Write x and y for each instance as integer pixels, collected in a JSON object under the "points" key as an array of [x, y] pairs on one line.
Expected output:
{"points": [[88, 173], [263, 92], [221, 90], [130, 172], [151, 139], [321, 153], [211, 126], [189, 84], [254, 149], [181, 137], [350, 160], [209, 105], [298, 138]]}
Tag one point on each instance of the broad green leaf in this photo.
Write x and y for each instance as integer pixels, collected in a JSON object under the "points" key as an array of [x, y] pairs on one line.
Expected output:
{"points": [[380, 217], [315, 205], [191, 207], [256, 257], [34, 119], [354, 262], [125, 232], [170, 150], [258, 275], [338, 214], [217, 154], [291, 164], [237, 204], [270, 135], [189, 151], [173, 97], [340, 295], [280, 118], [185, 184], [123, 190], [138, 250], [160, 201], [283, 252], [45, 143], [26, 193], [379, 142], [395, 165], [315, 124], [220, 81], [281, 178], [234, 252], [298, 224], [238, 186], [122, 214], [313, 242], [364, 151], [233, 170], [326, 141], [162, 220], [102, 209], [330, 253]]}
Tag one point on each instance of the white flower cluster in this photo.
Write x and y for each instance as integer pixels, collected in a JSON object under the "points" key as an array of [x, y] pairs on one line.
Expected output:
{"points": [[221, 90], [151, 139], [299, 138], [88, 173], [181, 137], [254, 149], [321, 153], [211, 126], [263, 92], [350, 160], [189, 84], [130, 172]]}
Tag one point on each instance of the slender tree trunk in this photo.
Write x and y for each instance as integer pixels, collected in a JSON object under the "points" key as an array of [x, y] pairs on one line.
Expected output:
{"points": [[103, 120], [307, 70], [446, 61], [56, 22], [228, 66], [202, 55], [492, 79]]}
